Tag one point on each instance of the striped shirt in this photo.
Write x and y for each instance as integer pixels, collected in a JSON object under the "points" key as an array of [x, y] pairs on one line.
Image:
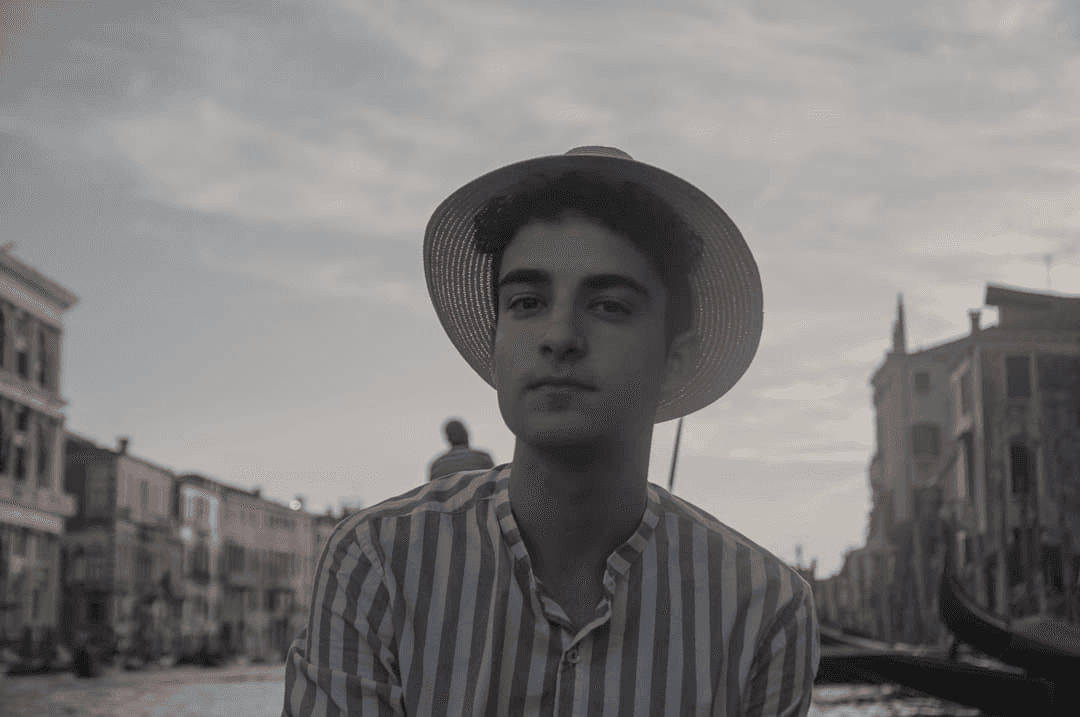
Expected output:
{"points": [[427, 604], [458, 459]]}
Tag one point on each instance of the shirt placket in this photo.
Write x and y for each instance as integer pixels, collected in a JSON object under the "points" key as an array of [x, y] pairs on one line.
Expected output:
{"points": [[571, 680]]}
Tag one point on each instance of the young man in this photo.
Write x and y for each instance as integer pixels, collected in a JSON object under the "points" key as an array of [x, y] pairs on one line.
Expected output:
{"points": [[598, 295], [460, 457]]}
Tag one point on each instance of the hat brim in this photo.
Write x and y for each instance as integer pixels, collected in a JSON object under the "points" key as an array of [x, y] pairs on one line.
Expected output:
{"points": [[726, 302]]}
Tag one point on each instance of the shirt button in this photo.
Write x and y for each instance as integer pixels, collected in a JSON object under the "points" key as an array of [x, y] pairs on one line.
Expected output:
{"points": [[573, 656]]}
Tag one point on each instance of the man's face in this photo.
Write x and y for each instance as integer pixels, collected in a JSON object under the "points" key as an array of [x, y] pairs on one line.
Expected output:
{"points": [[579, 345]]}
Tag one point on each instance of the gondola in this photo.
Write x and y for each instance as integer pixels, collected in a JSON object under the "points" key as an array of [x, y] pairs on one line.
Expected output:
{"points": [[1004, 691], [1042, 646]]}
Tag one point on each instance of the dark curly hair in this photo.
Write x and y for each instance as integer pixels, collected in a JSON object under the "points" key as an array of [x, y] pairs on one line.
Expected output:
{"points": [[625, 207]]}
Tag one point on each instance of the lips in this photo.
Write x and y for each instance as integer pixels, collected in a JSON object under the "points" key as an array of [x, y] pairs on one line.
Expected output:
{"points": [[564, 383]]}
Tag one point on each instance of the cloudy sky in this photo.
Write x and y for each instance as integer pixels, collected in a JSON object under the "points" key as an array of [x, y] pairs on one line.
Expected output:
{"points": [[237, 193]]}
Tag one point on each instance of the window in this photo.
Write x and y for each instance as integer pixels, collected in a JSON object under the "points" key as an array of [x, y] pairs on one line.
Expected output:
{"points": [[926, 440], [95, 611], [44, 546], [969, 464], [97, 489], [922, 381], [200, 561], [965, 393], [1018, 376], [3, 338], [22, 419], [144, 565], [44, 360], [44, 441], [1022, 473], [144, 494], [22, 347], [20, 463], [22, 536]]}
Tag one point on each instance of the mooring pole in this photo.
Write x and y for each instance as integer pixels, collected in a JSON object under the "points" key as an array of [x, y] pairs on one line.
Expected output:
{"points": [[675, 457]]}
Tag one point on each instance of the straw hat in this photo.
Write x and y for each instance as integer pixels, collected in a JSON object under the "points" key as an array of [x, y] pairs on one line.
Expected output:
{"points": [[726, 300]]}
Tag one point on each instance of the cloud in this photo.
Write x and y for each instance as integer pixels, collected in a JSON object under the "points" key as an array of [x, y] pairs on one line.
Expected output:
{"points": [[338, 278], [804, 391], [210, 158]]}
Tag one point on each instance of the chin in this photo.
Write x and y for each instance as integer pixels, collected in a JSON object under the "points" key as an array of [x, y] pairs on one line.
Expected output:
{"points": [[559, 431]]}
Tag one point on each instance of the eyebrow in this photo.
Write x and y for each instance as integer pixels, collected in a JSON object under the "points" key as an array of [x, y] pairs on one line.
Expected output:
{"points": [[525, 276], [596, 282]]}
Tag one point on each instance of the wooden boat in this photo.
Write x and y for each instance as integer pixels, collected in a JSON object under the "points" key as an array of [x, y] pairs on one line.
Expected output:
{"points": [[999, 690], [1041, 645]]}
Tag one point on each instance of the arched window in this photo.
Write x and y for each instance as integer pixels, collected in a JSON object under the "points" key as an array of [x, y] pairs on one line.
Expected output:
{"points": [[22, 346], [44, 360], [44, 444]]}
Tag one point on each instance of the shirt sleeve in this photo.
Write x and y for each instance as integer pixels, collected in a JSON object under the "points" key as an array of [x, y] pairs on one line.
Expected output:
{"points": [[342, 662], [781, 680]]}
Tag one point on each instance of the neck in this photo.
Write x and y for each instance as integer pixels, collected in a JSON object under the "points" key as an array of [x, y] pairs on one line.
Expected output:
{"points": [[574, 507]]}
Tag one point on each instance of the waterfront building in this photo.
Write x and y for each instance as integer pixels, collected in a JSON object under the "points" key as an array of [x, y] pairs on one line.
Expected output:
{"points": [[198, 516], [1013, 492], [976, 452], [33, 504], [122, 553], [268, 566]]}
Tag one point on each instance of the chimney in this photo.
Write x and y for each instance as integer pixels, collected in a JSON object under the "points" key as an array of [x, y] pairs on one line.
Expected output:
{"points": [[121, 445], [974, 315]]}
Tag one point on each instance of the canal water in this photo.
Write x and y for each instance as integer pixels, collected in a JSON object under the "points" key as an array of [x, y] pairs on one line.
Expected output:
{"points": [[881, 701], [257, 691]]}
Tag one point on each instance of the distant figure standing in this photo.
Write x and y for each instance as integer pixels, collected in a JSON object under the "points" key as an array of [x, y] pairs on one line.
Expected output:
{"points": [[460, 457]]}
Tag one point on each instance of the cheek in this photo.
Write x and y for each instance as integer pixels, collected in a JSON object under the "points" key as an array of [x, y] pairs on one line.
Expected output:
{"points": [[503, 349]]}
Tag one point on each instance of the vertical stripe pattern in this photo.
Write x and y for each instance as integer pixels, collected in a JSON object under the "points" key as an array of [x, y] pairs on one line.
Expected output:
{"points": [[426, 605]]}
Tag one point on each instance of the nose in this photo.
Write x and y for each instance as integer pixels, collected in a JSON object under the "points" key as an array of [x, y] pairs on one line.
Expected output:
{"points": [[562, 339]]}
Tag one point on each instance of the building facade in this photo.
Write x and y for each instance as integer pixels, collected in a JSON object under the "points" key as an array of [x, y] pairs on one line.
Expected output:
{"points": [[33, 504], [123, 555], [1013, 494], [198, 503], [267, 571], [976, 457], [183, 565]]}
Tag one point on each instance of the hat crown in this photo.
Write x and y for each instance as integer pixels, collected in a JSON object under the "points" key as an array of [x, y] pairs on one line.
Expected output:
{"points": [[593, 150]]}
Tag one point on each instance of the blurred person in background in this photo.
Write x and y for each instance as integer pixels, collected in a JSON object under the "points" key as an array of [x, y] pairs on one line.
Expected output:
{"points": [[460, 457]]}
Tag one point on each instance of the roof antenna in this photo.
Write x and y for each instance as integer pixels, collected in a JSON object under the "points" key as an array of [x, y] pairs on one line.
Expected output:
{"points": [[1048, 259]]}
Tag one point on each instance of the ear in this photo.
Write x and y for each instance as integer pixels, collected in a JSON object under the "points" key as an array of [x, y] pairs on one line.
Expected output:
{"points": [[679, 364]]}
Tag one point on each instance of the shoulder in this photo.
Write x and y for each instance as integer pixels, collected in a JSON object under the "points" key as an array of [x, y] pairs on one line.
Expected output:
{"points": [[459, 492], [745, 567]]}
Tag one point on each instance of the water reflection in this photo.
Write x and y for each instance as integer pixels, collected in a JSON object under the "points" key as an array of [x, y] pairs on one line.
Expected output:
{"points": [[881, 701]]}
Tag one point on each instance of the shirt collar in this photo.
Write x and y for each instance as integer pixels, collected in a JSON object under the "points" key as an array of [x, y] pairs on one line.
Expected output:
{"points": [[620, 560]]}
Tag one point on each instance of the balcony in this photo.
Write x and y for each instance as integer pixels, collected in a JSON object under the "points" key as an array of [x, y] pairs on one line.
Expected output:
{"points": [[55, 502]]}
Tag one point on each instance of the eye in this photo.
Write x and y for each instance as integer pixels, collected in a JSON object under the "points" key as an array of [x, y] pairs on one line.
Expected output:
{"points": [[613, 307], [523, 303]]}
